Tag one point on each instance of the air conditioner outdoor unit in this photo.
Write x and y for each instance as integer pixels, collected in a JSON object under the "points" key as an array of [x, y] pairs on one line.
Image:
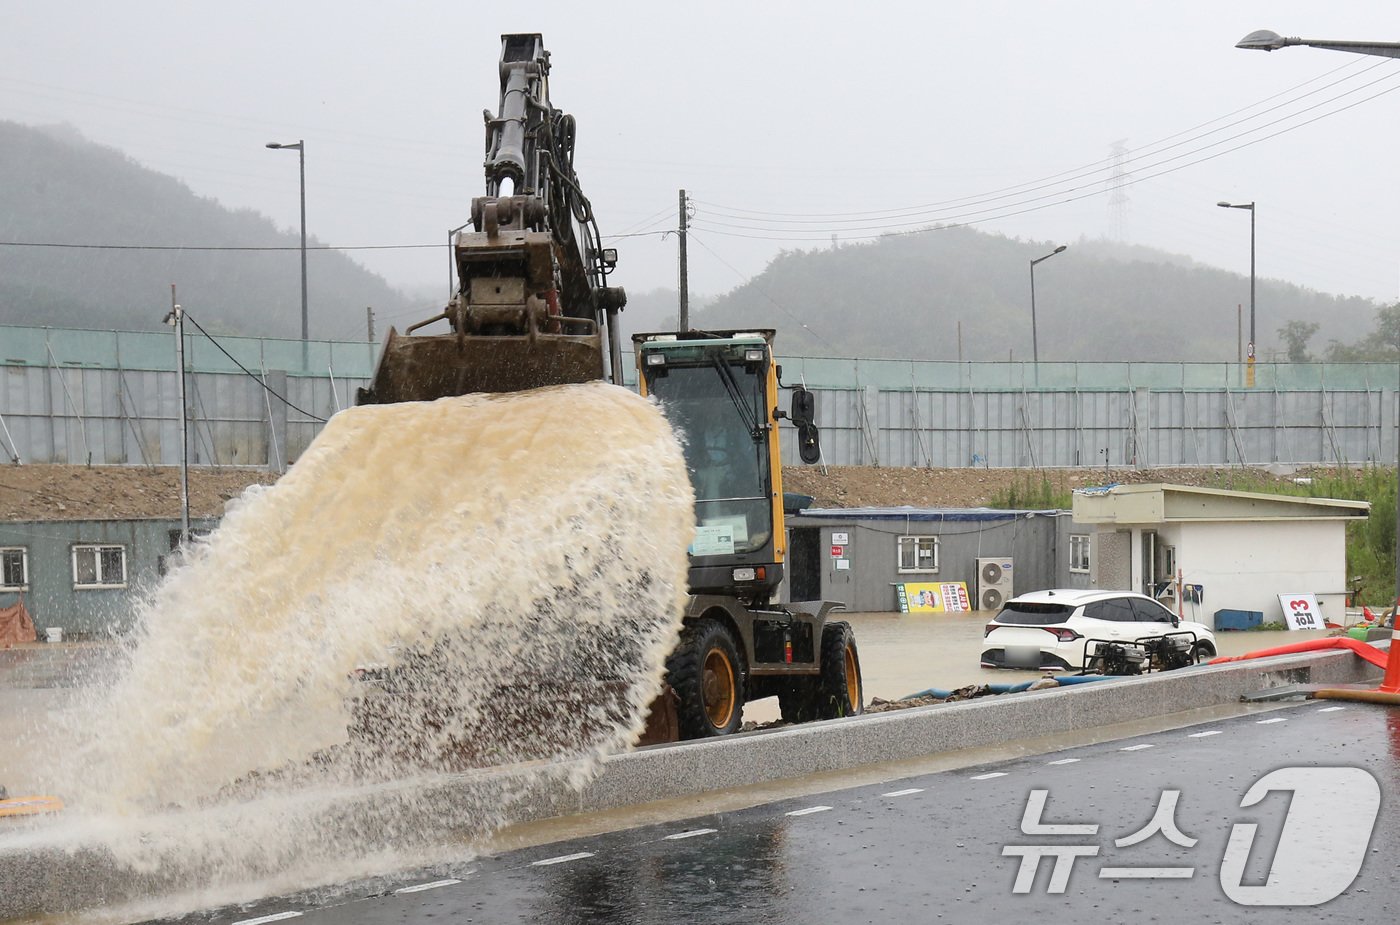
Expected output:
{"points": [[994, 586]]}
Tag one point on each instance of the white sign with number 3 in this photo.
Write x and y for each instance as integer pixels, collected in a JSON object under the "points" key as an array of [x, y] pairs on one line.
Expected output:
{"points": [[1300, 611]]}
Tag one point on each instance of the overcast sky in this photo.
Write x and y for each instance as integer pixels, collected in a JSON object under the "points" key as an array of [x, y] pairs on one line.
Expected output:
{"points": [[787, 122]]}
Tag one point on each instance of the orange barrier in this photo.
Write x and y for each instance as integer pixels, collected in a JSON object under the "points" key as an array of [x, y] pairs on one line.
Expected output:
{"points": [[1341, 693], [1369, 652], [1389, 691], [1390, 684]]}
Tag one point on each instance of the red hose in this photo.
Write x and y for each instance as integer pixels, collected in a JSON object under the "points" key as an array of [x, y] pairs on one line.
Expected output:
{"points": [[1369, 652]]}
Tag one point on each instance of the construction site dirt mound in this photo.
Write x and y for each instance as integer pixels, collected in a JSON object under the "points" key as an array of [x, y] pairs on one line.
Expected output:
{"points": [[41, 492], [871, 486]]}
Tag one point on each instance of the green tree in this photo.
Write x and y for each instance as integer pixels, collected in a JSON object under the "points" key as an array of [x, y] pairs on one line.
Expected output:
{"points": [[1381, 345], [1295, 336]]}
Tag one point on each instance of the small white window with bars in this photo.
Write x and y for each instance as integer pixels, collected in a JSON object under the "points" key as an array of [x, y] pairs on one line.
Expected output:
{"points": [[1080, 545], [99, 566], [14, 568], [918, 554]]}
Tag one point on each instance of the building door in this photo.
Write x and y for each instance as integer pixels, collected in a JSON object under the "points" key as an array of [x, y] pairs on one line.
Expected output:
{"points": [[804, 563], [1149, 563]]}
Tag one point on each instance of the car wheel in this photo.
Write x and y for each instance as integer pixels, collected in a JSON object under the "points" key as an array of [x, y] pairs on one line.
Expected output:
{"points": [[1202, 652]]}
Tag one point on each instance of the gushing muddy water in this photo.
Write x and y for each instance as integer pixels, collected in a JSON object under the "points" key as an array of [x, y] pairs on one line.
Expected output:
{"points": [[525, 549]]}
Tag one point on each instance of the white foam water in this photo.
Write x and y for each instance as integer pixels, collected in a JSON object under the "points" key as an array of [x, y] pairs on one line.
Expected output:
{"points": [[516, 565]]}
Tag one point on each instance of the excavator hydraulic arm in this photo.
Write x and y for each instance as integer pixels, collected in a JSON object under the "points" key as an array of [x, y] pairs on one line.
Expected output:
{"points": [[532, 302]]}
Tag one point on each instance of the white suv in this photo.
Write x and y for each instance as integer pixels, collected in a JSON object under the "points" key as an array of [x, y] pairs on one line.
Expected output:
{"points": [[1060, 629]]}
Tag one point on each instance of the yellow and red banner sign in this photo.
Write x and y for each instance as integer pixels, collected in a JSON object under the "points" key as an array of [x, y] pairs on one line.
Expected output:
{"points": [[933, 597]]}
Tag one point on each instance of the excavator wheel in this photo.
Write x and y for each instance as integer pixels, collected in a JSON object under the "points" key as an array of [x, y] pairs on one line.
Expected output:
{"points": [[839, 690], [707, 674]]}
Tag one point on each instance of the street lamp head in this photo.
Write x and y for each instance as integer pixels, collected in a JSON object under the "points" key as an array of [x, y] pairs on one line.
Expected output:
{"points": [[295, 146], [1236, 205], [1264, 40], [1047, 256]]}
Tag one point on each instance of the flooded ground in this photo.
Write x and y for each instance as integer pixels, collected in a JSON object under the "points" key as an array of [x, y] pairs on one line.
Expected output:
{"points": [[900, 654], [904, 653]]}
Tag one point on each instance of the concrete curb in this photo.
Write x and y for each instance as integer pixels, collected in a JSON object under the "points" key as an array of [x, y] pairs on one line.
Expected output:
{"points": [[696, 767], [57, 880]]}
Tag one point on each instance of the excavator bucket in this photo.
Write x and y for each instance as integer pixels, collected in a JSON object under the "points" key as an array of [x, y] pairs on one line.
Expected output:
{"points": [[429, 367]]}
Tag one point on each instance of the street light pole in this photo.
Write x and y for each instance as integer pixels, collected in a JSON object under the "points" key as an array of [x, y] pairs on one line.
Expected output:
{"points": [[300, 148], [1249, 357], [1035, 341], [1264, 40], [176, 319]]}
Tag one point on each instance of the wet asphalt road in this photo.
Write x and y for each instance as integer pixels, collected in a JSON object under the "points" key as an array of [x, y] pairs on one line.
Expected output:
{"points": [[930, 848]]}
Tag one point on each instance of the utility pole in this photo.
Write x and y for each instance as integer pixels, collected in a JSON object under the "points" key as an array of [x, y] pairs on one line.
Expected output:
{"points": [[369, 321], [683, 317], [176, 319], [1239, 336]]}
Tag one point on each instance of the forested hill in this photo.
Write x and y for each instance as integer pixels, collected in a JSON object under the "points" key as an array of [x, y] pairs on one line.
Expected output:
{"points": [[905, 296], [57, 188]]}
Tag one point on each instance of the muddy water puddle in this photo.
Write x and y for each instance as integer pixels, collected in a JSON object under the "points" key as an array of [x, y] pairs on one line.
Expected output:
{"points": [[904, 653]]}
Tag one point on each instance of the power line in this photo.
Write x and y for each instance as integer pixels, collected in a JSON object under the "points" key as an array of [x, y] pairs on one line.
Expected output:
{"points": [[1069, 194], [639, 234], [1096, 166], [211, 247], [782, 308], [249, 373]]}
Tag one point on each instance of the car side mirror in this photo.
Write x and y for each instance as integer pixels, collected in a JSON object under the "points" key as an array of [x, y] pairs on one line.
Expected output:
{"points": [[1176, 621], [803, 416]]}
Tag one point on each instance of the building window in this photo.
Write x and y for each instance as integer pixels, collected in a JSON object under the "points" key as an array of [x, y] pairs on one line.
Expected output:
{"points": [[1079, 544], [14, 568], [918, 554], [99, 566]]}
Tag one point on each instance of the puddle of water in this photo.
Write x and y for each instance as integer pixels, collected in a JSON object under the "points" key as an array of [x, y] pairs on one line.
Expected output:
{"points": [[901, 654]]}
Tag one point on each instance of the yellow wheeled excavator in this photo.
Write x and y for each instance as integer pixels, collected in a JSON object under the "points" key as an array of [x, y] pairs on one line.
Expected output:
{"points": [[533, 308]]}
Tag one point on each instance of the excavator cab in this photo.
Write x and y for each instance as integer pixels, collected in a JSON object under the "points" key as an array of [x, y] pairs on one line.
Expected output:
{"points": [[741, 641], [719, 392]]}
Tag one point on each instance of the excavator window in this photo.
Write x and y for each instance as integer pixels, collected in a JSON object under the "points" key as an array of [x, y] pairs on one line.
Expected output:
{"points": [[715, 409]]}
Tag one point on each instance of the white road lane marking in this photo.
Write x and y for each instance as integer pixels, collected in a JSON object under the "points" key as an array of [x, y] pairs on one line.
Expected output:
{"points": [[693, 833], [1276, 719], [563, 859], [1135, 748], [275, 917], [1139, 873], [1063, 761], [1331, 709], [990, 776], [420, 887], [903, 793], [1202, 735], [809, 810]]}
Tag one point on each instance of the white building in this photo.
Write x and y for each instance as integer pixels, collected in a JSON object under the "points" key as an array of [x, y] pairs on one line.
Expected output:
{"points": [[1243, 549]]}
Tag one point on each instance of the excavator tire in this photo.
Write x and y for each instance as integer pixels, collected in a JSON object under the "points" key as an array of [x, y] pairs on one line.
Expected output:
{"points": [[707, 674], [839, 689]]}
